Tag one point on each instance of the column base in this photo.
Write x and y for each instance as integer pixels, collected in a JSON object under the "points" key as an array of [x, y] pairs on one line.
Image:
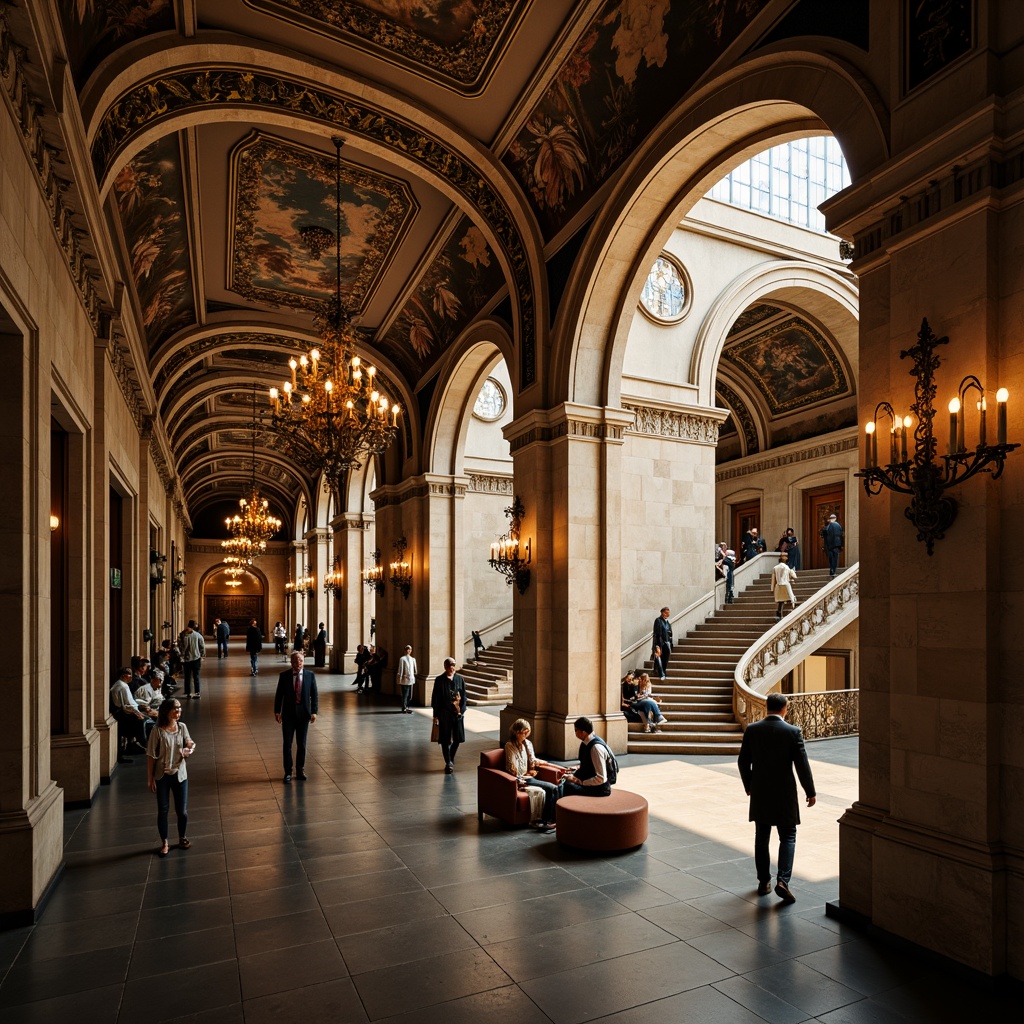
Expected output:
{"points": [[75, 765], [32, 853]]}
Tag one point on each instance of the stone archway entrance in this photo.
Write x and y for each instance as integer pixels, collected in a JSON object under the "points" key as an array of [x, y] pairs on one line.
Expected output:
{"points": [[236, 605]]}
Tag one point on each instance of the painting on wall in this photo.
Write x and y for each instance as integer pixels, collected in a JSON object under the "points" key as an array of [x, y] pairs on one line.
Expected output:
{"points": [[938, 32], [453, 42], [151, 200], [792, 365], [636, 59], [462, 276], [94, 29], [284, 196]]}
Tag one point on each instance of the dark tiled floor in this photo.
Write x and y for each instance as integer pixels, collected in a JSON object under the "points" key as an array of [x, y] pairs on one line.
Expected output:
{"points": [[370, 893]]}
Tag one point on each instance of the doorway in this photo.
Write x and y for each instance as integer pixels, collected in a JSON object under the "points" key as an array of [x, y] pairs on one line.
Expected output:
{"points": [[819, 504], [744, 516]]}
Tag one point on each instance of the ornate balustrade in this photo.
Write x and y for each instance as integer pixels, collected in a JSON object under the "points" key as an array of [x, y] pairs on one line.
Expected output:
{"points": [[782, 648]]}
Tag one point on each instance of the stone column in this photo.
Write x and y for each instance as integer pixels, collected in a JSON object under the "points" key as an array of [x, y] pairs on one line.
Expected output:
{"points": [[319, 564], [567, 465], [31, 803], [352, 533], [933, 849]]}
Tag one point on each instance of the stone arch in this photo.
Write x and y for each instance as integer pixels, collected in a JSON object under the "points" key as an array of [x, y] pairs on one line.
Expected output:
{"points": [[761, 102]]}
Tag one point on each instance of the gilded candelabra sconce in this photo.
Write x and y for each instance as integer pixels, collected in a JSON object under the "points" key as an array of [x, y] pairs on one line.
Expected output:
{"points": [[401, 570], [304, 585], [919, 471], [334, 579], [508, 555], [374, 578]]}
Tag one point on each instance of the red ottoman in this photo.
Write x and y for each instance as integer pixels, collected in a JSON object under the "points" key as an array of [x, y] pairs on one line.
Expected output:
{"points": [[615, 822]]}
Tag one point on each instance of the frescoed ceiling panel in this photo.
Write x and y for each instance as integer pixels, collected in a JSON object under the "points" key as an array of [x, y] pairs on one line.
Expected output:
{"points": [[453, 42]]}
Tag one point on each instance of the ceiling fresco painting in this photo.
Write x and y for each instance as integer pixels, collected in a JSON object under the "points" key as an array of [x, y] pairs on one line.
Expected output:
{"points": [[636, 58], [458, 282], [281, 188], [791, 363], [94, 29], [151, 200], [453, 42]]}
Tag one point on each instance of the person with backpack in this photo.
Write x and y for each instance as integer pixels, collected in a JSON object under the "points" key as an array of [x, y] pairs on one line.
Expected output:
{"points": [[597, 771]]}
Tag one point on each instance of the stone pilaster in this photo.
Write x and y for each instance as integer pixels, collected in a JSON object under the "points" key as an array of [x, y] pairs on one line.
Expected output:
{"points": [[319, 564], [352, 536]]}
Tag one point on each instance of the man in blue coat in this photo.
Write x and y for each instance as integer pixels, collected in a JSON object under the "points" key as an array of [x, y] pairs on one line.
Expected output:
{"points": [[771, 749]]}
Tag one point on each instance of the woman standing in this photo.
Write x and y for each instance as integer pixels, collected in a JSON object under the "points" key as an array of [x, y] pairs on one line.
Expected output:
{"points": [[521, 762], [254, 644], [320, 647], [168, 749], [280, 637]]}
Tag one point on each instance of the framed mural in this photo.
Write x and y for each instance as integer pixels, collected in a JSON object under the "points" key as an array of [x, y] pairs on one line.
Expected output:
{"points": [[936, 33]]}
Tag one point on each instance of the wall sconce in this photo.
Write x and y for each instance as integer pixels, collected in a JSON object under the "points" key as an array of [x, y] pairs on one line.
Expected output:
{"points": [[505, 551], [156, 568], [334, 579], [177, 583], [54, 523], [374, 578], [303, 585], [921, 472], [401, 570]]}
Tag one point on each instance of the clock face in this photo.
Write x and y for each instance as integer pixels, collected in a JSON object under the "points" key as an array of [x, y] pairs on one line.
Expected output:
{"points": [[666, 294], [490, 403]]}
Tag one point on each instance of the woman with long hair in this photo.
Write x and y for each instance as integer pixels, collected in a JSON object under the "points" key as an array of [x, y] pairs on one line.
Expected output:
{"points": [[521, 762], [168, 749]]}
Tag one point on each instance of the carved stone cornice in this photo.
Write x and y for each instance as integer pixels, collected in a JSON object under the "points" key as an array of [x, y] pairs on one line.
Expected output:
{"points": [[697, 426], [490, 483], [279, 547], [817, 450], [569, 420], [26, 111], [428, 485], [128, 383]]}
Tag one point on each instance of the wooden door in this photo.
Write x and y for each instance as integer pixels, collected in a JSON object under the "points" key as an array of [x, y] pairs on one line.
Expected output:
{"points": [[744, 516], [819, 504]]}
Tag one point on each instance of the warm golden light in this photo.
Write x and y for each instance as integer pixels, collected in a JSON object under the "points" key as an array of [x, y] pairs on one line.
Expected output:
{"points": [[54, 523], [954, 405]]}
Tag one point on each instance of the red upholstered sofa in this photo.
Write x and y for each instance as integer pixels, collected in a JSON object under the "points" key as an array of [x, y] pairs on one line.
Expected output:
{"points": [[498, 794]]}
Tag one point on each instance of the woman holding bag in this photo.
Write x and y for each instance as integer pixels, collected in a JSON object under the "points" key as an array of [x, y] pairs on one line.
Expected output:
{"points": [[168, 749]]}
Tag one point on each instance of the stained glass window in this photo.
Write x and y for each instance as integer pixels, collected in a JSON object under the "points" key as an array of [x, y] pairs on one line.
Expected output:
{"points": [[666, 293], [490, 403]]}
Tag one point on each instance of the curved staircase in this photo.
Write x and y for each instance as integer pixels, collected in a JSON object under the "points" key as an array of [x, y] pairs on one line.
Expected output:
{"points": [[489, 677], [696, 698]]}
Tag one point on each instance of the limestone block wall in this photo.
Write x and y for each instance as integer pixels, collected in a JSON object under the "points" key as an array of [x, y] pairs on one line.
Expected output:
{"points": [[487, 596]]}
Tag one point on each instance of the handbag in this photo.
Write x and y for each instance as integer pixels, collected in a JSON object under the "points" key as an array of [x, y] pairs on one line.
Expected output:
{"points": [[435, 732]]}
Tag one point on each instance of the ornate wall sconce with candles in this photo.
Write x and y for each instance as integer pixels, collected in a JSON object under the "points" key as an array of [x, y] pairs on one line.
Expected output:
{"points": [[507, 552], [401, 570], [303, 585], [920, 471], [334, 579], [374, 578]]}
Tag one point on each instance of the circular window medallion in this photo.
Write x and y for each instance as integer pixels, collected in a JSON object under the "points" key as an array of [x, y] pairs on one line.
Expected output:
{"points": [[490, 403], [665, 298]]}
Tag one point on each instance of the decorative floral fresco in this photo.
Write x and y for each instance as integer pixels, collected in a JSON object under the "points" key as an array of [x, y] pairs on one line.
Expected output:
{"points": [[453, 42], [151, 199], [94, 29], [461, 278], [281, 188], [635, 59]]}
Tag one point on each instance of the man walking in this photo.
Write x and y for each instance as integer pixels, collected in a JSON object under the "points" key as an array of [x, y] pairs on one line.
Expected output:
{"points": [[770, 750], [663, 638], [221, 630], [448, 701], [193, 650], [295, 707], [407, 678], [832, 536]]}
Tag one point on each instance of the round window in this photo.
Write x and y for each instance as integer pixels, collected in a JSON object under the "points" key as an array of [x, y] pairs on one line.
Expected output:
{"points": [[490, 403], [666, 294]]}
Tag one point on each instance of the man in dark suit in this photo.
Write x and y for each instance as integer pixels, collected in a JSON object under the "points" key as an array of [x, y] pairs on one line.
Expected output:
{"points": [[663, 637], [448, 700], [771, 749], [832, 536], [295, 706]]}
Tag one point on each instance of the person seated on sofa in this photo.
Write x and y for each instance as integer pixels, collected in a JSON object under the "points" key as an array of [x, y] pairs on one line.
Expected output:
{"points": [[597, 769], [521, 762]]}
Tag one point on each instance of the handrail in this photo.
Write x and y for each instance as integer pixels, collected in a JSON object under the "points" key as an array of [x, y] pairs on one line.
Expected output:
{"points": [[487, 635], [696, 613], [790, 641]]}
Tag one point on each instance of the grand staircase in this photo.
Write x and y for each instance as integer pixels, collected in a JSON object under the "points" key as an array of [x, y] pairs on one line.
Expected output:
{"points": [[489, 677], [696, 698]]}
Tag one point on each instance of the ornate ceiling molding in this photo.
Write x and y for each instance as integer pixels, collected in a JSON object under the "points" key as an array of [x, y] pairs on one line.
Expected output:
{"points": [[741, 416], [165, 98]]}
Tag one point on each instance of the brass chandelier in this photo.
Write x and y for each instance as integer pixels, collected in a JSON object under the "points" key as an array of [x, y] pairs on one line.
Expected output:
{"points": [[253, 526], [331, 416]]}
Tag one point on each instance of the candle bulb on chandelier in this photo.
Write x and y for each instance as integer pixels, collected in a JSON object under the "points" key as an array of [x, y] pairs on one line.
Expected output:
{"points": [[294, 366], [394, 413], [275, 402], [982, 409], [869, 432], [1002, 399], [907, 421], [314, 356], [954, 408], [892, 443]]}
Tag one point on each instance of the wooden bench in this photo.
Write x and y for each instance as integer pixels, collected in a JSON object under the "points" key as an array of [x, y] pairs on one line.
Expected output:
{"points": [[615, 822]]}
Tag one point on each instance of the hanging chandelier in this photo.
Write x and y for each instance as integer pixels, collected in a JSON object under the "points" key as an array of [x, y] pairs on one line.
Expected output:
{"points": [[253, 525], [330, 417]]}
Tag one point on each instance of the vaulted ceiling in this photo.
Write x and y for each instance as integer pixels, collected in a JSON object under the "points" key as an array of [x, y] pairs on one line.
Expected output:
{"points": [[479, 136]]}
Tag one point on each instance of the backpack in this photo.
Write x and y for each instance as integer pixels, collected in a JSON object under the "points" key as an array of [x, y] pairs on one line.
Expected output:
{"points": [[612, 764]]}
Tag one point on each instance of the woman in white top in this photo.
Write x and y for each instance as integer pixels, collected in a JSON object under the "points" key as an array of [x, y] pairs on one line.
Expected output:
{"points": [[167, 751], [521, 762]]}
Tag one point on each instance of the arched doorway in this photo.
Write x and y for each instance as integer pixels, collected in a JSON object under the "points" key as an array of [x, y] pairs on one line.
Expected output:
{"points": [[235, 600]]}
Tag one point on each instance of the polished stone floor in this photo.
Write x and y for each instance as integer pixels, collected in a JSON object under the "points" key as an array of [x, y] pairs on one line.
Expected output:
{"points": [[370, 893]]}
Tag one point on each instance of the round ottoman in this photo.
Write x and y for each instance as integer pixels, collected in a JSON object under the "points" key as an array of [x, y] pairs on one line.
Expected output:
{"points": [[615, 822]]}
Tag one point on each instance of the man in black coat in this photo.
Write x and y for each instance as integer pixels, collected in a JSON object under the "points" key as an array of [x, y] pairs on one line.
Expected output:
{"points": [[663, 637], [448, 701], [832, 537], [771, 749], [295, 706]]}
